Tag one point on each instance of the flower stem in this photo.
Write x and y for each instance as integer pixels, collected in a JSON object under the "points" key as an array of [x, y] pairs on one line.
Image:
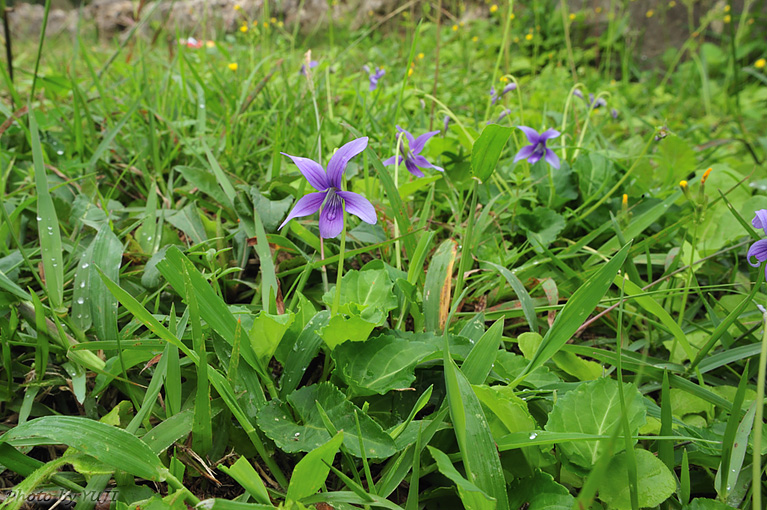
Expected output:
{"points": [[464, 265], [323, 268], [341, 253], [756, 466], [504, 45], [397, 249], [586, 125]]}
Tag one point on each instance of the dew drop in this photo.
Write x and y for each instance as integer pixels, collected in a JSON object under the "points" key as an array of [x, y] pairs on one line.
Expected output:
{"points": [[60, 152], [149, 238], [79, 316], [82, 285], [80, 301], [39, 218], [202, 106], [85, 265], [296, 434], [533, 435]]}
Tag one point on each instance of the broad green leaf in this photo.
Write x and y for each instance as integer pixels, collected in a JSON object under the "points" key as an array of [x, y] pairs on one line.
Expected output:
{"points": [[379, 365], [302, 352], [227, 504], [310, 473], [271, 212], [472, 497], [111, 445], [539, 492], [370, 291], [555, 186], [542, 226], [707, 504], [676, 160], [277, 422], [487, 149], [346, 326], [655, 482], [594, 408], [436, 291], [188, 221], [267, 331], [575, 312], [49, 235], [595, 172], [509, 366], [478, 451]]}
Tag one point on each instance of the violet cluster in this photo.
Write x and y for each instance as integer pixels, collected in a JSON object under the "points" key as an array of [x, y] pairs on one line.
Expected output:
{"points": [[410, 153]]}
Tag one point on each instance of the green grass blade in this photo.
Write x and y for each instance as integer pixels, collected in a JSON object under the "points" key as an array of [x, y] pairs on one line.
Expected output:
{"points": [[244, 474], [48, 231], [480, 360], [575, 312], [528, 307], [436, 291], [202, 433]]}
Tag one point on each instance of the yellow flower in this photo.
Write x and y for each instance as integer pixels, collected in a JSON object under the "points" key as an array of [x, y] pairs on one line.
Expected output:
{"points": [[493, 8], [266, 24], [244, 28], [726, 8], [455, 28], [233, 66], [511, 16], [474, 39], [705, 176], [612, 82], [625, 199], [462, 23], [503, 79], [683, 184], [280, 24], [421, 55], [210, 44], [672, 4], [237, 7], [760, 64], [727, 18], [572, 16], [410, 72], [529, 37], [649, 13], [598, 10], [273, 19], [370, 12]]}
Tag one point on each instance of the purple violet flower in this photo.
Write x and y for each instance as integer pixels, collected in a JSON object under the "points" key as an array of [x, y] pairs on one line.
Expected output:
{"points": [[614, 113], [445, 123], [596, 104], [328, 185], [578, 93], [411, 151], [312, 65], [758, 250], [508, 88], [374, 76], [537, 148]]}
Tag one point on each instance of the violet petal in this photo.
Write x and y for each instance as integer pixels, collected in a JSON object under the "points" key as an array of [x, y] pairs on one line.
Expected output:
{"points": [[524, 153], [332, 216], [312, 170], [532, 135], [412, 168], [418, 144], [422, 162], [410, 139], [758, 250], [552, 159], [356, 204], [340, 159], [306, 205], [392, 160], [549, 133], [760, 220]]}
